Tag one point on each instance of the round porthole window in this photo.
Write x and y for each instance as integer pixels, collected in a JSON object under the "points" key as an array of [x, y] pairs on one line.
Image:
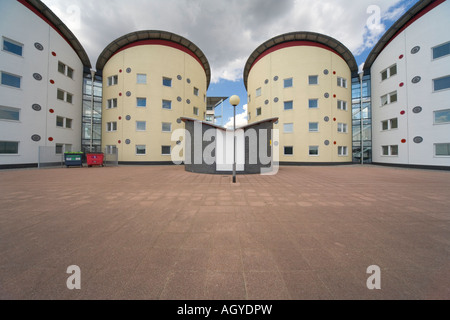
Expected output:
{"points": [[128, 93], [266, 102], [326, 119], [128, 141], [325, 72], [179, 99], [188, 101], [37, 76], [326, 142], [417, 110], [416, 79], [128, 117], [178, 120], [275, 100], [418, 139], [266, 81], [326, 95], [38, 46], [415, 49], [128, 70], [179, 77], [36, 107], [275, 78], [36, 137], [188, 80]]}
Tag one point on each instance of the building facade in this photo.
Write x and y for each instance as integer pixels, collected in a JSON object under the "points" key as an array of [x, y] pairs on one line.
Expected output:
{"points": [[41, 76], [410, 80], [150, 80], [304, 79]]}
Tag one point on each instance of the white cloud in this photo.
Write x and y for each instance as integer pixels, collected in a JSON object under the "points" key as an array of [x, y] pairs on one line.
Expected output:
{"points": [[241, 119], [226, 31]]}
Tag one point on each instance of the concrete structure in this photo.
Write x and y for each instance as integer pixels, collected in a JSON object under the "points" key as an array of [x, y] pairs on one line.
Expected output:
{"points": [[41, 70], [410, 71], [150, 79], [209, 148], [304, 79]]}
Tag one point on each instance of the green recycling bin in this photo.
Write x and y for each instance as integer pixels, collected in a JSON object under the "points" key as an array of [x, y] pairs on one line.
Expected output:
{"points": [[73, 159]]}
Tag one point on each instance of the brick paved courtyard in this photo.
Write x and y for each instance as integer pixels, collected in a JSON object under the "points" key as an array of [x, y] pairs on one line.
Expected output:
{"points": [[163, 233]]}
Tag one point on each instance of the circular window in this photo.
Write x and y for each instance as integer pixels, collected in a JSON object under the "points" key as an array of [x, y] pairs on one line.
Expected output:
{"points": [[326, 142], [128, 70], [128, 117], [275, 100], [275, 143], [36, 137], [266, 102], [415, 49], [416, 79], [37, 76], [418, 139], [178, 120], [188, 101], [179, 99], [188, 80], [178, 142], [36, 107], [38, 46], [128, 141], [326, 119], [128, 93], [417, 110], [179, 77], [326, 95], [275, 78], [325, 71], [266, 81]]}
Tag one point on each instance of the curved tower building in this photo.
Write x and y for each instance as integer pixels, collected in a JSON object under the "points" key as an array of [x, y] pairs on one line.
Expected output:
{"points": [[150, 80], [304, 79]]}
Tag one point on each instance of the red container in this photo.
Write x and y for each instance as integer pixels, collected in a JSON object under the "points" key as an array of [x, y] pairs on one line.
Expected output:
{"points": [[94, 159]]}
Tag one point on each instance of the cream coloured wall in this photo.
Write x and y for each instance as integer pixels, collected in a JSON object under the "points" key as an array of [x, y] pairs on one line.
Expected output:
{"points": [[156, 61], [298, 63]]}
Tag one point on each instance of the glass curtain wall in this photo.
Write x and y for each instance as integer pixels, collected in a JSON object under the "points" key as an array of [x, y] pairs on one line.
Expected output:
{"points": [[92, 117], [362, 143]]}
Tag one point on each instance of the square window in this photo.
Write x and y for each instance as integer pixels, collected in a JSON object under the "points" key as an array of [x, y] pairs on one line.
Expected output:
{"points": [[7, 113], [70, 72], [166, 127], [59, 148], [342, 127], [313, 127], [393, 97], [167, 104], [442, 149], [69, 123], [141, 150], [288, 127], [165, 150], [384, 74], [288, 105], [141, 102], [10, 80], [384, 125], [258, 92], [313, 80], [112, 103], [288, 83], [342, 151], [111, 126], [384, 100], [393, 70], [12, 46], [385, 150], [288, 151], [441, 83], [9, 147], [196, 92], [441, 50], [313, 103], [258, 111], [441, 116], [195, 111], [167, 82], [141, 78], [141, 125], [60, 95], [249, 116], [342, 105], [113, 80], [61, 68], [341, 82], [313, 150]]}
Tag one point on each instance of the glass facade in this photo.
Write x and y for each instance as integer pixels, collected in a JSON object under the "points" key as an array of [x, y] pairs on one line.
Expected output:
{"points": [[362, 119], [91, 140]]}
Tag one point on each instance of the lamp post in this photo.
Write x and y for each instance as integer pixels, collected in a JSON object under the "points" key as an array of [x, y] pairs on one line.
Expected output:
{"points": [[234, 101]]}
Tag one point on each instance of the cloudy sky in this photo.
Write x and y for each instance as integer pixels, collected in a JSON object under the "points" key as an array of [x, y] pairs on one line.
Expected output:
{"points": [[228, 31]]}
